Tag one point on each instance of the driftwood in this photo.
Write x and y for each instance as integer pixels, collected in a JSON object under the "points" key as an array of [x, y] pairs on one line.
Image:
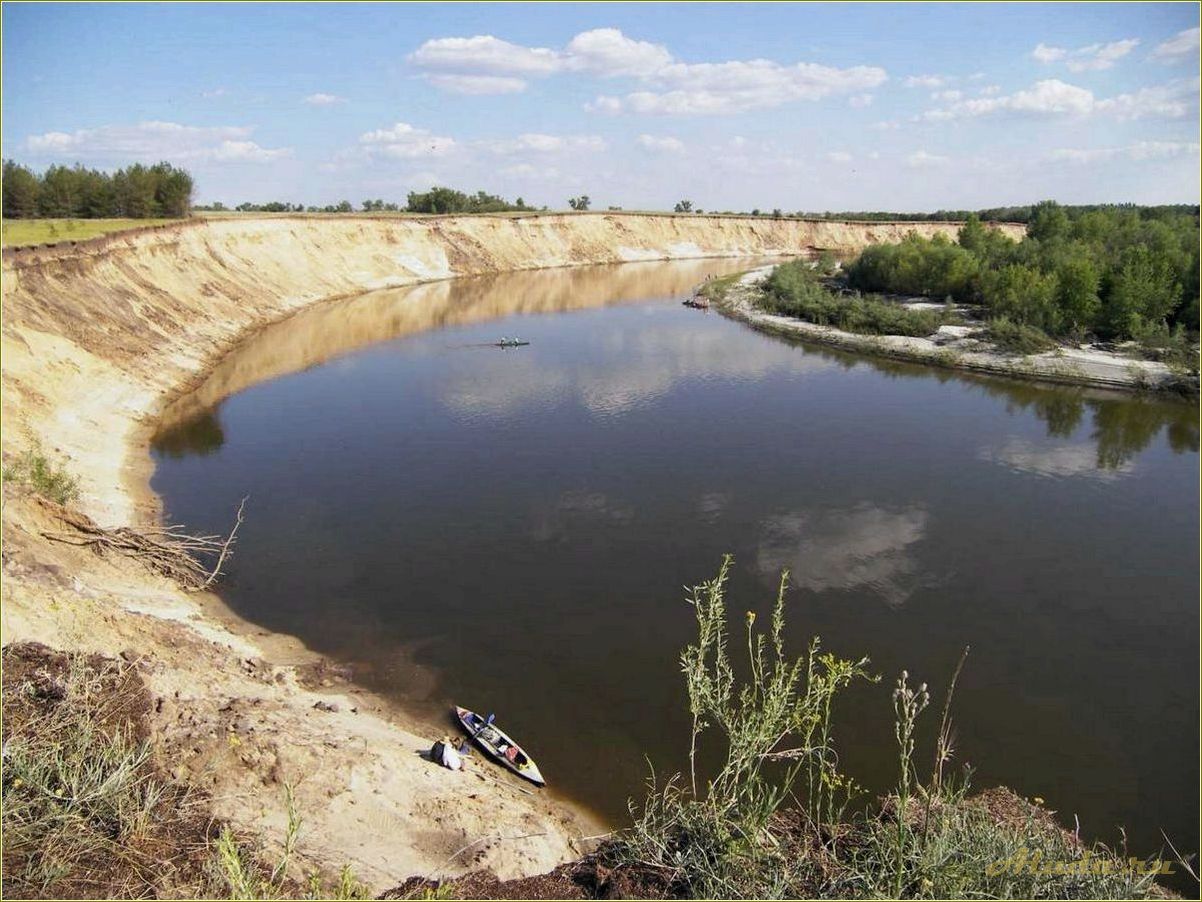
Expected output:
{"points": [[167, 550]]}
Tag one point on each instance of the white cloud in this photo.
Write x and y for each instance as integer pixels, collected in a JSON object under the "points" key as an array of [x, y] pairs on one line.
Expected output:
{"points": [[660, 144], [533, 142], [920, 159], [604, 104], [320, 99], [1091, 58], [673, 87], [839, 156], [478, 84], [248, 152], [154, 141], [403, 141], [1168, 101], [1045, 54], [732, 87], [216, 92], [990, 90], [886, 125], [1053, 97], [947, 96], [1182, 45], [487, 54], [859, 101], [926, 81], [608, 52], [1139, 151]]}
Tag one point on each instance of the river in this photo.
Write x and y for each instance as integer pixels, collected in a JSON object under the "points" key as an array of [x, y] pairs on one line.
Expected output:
{"points": [[512, 529]]}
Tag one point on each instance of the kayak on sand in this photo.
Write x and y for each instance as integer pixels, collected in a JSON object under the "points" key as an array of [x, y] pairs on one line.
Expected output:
{"points": [[498, 745]]}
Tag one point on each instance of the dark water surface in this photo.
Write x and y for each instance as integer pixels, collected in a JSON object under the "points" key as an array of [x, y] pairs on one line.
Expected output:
{"points": [[521, 523]]}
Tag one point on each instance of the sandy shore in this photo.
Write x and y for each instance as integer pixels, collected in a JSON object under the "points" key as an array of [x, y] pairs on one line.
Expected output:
{"points": [[955, 347]]}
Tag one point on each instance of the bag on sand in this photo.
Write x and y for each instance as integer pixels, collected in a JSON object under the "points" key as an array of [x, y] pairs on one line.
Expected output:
{"points": [[443, 753]]}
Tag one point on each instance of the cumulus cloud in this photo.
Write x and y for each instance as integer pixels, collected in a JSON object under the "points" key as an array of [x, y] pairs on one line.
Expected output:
{"points": [[1052, 97], [154, 141], [320, 99], [672, 87], [608, 52], [946, 96], [486, 54], [921, 159], [1139, 151], [248, 152], [1091, 58], [532, 142], [926, 81], [859, 101], [403, 141], [660, 144], [478, 84], [1182, 45]]}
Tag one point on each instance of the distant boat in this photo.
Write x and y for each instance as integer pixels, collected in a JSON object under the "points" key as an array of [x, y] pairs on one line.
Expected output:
{"points": [[499, 746], [511, 343]]}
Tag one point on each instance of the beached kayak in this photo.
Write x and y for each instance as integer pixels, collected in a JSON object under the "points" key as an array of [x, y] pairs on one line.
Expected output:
{"points": [[499, 746]]}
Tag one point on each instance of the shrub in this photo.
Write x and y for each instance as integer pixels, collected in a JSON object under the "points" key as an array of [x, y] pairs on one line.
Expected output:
{"points": [[1017, 338], [794, 289], [772, 821], [45, 477]]}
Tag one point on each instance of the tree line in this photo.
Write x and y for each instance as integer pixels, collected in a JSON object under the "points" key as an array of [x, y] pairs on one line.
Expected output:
{"points": [[135, 192], [1118, 272]]}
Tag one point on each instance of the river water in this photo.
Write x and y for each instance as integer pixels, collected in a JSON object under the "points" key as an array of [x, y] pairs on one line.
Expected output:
{"points": [[512, 529]]}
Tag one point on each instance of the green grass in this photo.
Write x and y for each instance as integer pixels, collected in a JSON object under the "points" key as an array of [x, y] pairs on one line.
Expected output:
{"points": [[796, 289], [715, 290], [44, 476], [777, 818], [24, 232]]}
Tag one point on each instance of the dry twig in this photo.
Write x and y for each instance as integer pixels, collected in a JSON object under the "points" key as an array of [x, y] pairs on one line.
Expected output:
{"points": [[167, 550]]}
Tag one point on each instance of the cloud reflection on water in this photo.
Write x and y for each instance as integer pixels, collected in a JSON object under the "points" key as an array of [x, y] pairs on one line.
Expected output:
{"points": [[865, 546]]}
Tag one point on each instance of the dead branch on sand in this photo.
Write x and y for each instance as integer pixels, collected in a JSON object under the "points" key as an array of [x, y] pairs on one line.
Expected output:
{"points": [[167, 550]]}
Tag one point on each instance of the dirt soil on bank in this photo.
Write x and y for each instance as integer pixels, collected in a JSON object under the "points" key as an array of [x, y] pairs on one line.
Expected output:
{"points": [[98, 337]]}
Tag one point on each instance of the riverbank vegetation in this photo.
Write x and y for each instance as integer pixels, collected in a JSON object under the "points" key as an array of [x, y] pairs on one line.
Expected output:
{"points": [[798, 289], [1107, 272], [778, 818]]}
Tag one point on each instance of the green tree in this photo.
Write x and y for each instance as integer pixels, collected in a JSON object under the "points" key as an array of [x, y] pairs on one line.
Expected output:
{"points": [[684, 206], [1023, 294], [1142, 292], [1077, 283], [21, 188], [1048, 220], [580, 203], [972, 235]]}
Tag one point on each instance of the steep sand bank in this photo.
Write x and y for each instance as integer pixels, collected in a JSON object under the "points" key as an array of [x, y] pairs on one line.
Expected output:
{"points": [[98, 337]]}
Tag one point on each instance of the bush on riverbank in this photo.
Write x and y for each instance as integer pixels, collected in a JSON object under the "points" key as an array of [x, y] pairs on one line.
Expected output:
{"points": [[776, 819], [36, 470], [796, 289], [1111, 271], [1016, 337]]}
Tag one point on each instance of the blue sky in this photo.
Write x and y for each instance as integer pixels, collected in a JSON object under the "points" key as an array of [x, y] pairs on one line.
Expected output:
{"points": [[734, 106]]}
